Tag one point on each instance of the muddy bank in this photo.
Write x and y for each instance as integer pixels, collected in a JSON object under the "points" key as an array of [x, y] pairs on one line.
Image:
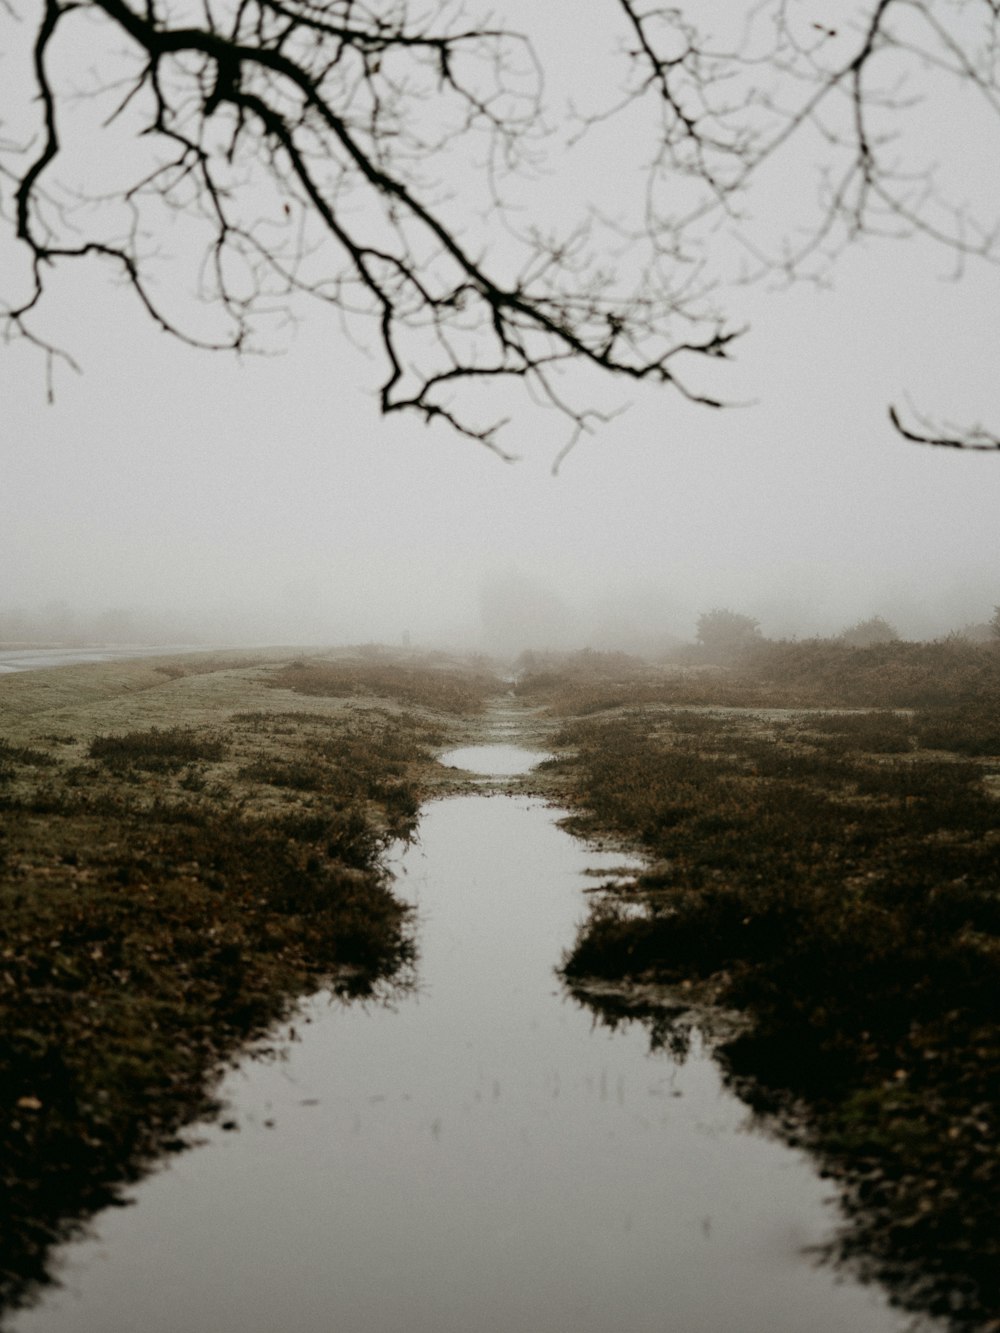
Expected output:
{"points": [[187, 845]]}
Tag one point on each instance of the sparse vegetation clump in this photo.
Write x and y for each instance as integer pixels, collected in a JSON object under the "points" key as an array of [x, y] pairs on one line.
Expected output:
{"points": [[888, 674], [574, 684], [456, 691], [833, 875], [15, 757], [789, 673]]}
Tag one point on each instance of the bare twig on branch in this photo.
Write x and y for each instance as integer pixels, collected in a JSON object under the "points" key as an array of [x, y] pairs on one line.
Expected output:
{"points": [[855, 93], [945, 435]]}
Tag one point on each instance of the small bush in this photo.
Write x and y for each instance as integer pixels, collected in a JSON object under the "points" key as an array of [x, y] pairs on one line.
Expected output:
{"points": [[278, 773], [970, 729], [22, 754], [167, 750], [880, 732]]}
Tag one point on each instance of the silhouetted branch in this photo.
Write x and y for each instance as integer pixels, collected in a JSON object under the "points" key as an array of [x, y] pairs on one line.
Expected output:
{"points": [[946, 435], [847, 95], [372, 156]]}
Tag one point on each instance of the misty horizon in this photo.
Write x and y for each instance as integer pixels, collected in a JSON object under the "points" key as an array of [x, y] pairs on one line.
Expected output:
{"points": [[511, 615], [173, 493]]}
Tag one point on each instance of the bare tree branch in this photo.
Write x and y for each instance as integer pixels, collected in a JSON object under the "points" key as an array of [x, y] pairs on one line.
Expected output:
{"points": [[291, 139], [373, 156], [843, 89], [946, 435]]}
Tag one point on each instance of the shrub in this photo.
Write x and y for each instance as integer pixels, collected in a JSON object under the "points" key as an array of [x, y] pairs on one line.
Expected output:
{"points": [[725, 634], [155, 750], [876, 629]]}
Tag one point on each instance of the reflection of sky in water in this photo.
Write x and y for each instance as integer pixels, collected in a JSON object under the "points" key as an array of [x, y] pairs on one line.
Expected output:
{"points": [[479, 1157], [495, 761]]}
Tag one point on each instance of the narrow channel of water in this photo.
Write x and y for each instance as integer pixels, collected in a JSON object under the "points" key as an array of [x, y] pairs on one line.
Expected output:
{"points": [[480, 1156]]}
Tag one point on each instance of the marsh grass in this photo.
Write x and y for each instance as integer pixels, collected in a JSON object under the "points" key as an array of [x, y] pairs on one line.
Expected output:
{"points": [[166, 897], [24, 754], [581, 685], [829, 672], [156, 750], [13, 758], [946, 674], [971, 728], [837, 878], [136, 954]]}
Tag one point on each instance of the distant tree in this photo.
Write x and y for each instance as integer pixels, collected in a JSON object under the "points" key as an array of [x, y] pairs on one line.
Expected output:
{"points": [[994, 622], [725, 634], [876, 629], [331, 148]]}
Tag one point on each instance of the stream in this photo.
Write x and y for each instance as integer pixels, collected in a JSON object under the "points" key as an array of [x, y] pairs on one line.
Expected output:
{"points": [[475, 1154]]}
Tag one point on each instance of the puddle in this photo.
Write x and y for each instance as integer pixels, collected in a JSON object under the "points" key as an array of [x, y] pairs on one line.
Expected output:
{"points": [[493, 761], [478, 1156]]}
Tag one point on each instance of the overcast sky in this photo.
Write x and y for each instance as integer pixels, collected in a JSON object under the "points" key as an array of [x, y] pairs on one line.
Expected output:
{"points": [[267, 500]]}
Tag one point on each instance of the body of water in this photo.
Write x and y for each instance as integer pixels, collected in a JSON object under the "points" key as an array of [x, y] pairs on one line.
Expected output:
{"points": [[477, 1155]]}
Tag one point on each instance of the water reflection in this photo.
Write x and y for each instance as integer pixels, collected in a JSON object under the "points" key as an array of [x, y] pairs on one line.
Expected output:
{"points": [[494, 761], [484, 1156]]}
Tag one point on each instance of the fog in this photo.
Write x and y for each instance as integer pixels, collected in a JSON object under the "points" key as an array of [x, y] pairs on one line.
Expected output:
{"points": [[171, 495]]}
